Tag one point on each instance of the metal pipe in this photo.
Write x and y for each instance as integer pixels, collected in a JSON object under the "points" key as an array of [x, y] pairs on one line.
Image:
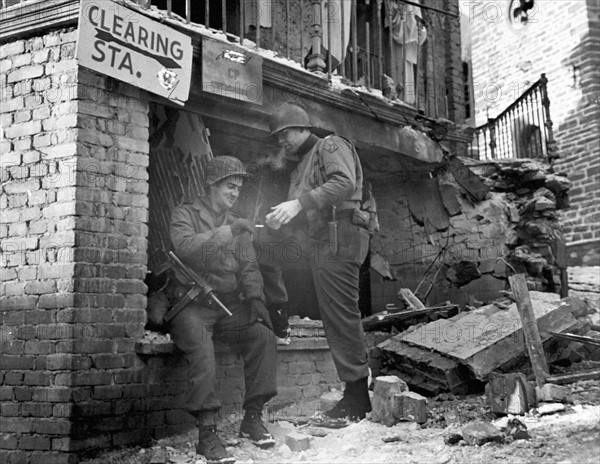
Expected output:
{"points": [[257, 22], [379, 43], [328, 40], [435, 101], [242, 21], [188, 11], [403, 21], [343, 47], [301, 31], [287, 29], [169, 8], [417, 72], [354, 43], [224, 15], [207, 13], [368, 50], [393, 60], [273, 6]]}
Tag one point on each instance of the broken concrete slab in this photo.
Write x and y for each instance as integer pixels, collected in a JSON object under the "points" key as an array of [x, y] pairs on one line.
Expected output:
{"points": [[452, 437], [419, 146], [510, 393], [551, 393], [297, 441], [550, 408], [425, 370], [478, 433], [384, 391], [410, 406], [486, 338], [426, 204]]}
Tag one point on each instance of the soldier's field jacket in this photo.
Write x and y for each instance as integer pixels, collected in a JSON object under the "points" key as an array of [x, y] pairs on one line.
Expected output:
{"points": [[203, 240]]}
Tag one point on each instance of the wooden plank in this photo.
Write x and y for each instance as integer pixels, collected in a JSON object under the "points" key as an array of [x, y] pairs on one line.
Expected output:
{"points": [[411, 300], [592, 374], [385, 320], [518, 284]]}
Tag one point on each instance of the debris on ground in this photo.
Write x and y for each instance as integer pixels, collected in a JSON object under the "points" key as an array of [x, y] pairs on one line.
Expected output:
{"points": [[449, 354]]}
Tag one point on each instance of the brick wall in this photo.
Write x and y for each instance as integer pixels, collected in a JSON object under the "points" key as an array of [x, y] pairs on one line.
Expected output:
{"points": [[73, 238], [561, 41], [305, 370]]}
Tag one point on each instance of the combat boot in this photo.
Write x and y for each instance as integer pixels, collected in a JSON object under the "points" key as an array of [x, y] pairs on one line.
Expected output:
{"points": [[252, 427], [279, 318], [355, 404], [211, 447]]}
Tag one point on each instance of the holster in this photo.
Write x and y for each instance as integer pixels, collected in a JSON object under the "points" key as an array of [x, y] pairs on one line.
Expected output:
{"points": [[360, 218]]}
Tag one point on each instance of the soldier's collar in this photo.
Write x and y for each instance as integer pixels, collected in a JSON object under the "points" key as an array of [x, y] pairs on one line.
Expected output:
{"points": [[307, 145]]}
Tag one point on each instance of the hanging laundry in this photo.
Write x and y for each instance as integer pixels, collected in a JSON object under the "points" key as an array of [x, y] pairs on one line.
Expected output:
{"points": [[409, 34]]}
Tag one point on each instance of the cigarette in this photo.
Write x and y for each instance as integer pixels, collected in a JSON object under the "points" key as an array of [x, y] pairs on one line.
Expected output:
{"points": [[258, 226]]}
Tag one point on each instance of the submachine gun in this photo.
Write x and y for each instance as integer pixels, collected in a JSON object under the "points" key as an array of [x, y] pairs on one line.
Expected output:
{"points": [[200, 287]]}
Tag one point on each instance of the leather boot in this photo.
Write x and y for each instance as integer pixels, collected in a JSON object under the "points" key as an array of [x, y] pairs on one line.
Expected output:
{"points": [[211, 447], [355, 404], [252, 427]]}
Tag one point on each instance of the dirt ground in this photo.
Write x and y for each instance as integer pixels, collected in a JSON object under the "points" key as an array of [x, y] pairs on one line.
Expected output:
{"points": [[571, 436], [567, 437]]}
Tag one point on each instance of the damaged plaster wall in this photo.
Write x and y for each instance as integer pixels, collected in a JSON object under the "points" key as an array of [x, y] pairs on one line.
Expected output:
{"points": [[446, 246]]}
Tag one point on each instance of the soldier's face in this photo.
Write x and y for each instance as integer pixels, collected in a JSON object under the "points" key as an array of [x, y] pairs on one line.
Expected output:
{"points": [[225, 193], [292, 138]]}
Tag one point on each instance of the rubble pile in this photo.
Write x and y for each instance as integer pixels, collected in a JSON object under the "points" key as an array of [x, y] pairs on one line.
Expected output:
{"points": [[535, 195], [454, 354]]}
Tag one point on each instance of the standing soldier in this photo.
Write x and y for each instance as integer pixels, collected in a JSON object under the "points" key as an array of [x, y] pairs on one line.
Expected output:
{"points": [[215, 243], [325, 194]]}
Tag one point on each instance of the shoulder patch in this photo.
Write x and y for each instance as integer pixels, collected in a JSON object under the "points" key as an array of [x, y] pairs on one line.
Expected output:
{"points": [[330, 145]]}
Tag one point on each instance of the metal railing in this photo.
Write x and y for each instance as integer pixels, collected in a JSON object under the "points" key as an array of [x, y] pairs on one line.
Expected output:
{"points": [[523, 130], [306, 30], [368, 43]]}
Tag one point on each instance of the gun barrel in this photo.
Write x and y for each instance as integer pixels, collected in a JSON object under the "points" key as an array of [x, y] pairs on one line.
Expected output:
{"points": [[197, 281], [215, 298]]}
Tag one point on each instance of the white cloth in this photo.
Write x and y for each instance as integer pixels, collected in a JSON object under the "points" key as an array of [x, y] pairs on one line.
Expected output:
{"points": [[332, 15], [408, 34]]}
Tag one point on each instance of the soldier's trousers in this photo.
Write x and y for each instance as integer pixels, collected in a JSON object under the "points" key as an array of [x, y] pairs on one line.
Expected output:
{"points": [[193, 330], [336, 282]]}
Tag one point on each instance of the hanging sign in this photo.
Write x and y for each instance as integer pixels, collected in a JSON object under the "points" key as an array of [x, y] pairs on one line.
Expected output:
{"points": [[124, 44], [231, 71]]}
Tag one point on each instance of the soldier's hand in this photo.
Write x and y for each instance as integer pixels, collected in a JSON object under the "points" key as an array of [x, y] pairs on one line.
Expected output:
{"points": [[259, 312], [239, 226], [283, 213]]}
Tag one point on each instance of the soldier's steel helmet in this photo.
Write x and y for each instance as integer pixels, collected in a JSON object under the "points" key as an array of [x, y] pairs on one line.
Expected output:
{"points": [[221, 167], [288, 115]]}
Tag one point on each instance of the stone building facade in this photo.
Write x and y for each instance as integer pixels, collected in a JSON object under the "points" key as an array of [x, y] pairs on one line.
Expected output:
{"points": [[77, 164], [559, 39]]}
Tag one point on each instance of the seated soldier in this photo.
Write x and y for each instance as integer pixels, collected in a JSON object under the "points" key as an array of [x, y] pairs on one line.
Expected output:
{"points": [[214, 242]]}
